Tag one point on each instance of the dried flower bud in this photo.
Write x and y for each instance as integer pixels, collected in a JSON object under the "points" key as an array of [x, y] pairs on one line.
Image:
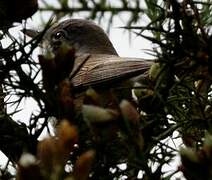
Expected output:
{"points": [[28, 168], [83, 165], [142, 92], [207, 147], [67, 135], [47, 151], [188, 155], [129, 112], [27, 160], [64, 60], [48, 67], [154, 71], [95, 114], [91, 97], [65, 99]]}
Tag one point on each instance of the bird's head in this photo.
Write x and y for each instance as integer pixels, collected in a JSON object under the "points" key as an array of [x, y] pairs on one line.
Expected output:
{"points": [[83, 35]]}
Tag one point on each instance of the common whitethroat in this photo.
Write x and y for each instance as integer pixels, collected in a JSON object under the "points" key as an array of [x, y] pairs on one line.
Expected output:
{"points": [[104, 69]]}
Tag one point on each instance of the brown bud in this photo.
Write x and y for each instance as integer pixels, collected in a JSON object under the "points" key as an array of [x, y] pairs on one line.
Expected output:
{"points": [[142, 92], [83, 165], [65, 99], [28, 168], [91, 97], [154, 71], [64, 60], [129, 112], [67, 136], [95, 114], [48, 68], [207, 147], [47, 151], [188, 154]]}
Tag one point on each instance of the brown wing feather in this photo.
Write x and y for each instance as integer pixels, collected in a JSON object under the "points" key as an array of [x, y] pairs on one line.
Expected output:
{"points": [[108, 68]]}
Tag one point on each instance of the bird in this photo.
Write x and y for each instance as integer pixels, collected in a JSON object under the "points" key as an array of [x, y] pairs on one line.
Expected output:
{"points": [[103, 69]]}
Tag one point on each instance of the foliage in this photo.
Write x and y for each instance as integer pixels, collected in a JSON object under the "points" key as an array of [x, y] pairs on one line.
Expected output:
{"points": [[92, 142]]}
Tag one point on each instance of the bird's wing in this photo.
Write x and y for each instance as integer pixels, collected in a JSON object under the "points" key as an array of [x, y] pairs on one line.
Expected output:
{"points": [[100, 69]]}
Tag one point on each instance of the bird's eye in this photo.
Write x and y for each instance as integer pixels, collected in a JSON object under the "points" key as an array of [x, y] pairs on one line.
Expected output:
{"points": [[58, 35]]}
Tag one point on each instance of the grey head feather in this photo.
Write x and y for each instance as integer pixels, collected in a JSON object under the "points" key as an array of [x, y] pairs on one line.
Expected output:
{"points": [[84, 35]]}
